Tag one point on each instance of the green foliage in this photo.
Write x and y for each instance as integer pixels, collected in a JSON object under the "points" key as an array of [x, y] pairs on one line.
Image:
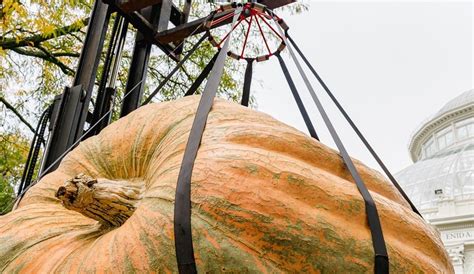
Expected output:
{"points": [[14, 152]]}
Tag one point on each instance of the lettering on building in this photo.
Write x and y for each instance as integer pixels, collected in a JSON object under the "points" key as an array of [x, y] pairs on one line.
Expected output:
{"points": [[458, 235]]}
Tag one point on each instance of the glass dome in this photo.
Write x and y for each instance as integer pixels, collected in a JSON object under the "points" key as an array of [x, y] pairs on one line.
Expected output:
{"points": [[443, 152], [458, 102], [449, 174], [452, 124]]}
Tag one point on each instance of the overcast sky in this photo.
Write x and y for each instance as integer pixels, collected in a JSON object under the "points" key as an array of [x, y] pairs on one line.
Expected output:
{"points": [[391, 64]]}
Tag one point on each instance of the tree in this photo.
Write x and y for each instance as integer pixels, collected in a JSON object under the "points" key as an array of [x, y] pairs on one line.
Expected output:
{"points": [[14, 148], [40, 42]]}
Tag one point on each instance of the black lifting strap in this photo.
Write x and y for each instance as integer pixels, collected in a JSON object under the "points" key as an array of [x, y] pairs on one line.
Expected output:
{"points": [[297, 97], [354, 127], [175, 69], [381, 264], [247, 82], [182, 207], [204, 73]]}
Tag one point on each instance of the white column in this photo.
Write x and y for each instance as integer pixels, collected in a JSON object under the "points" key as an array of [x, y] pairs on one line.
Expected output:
{"points": [[456, 254], [469, 258]]}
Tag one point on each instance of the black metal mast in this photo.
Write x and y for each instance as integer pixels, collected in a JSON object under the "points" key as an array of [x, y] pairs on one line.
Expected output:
{"points": [[68, 124]]}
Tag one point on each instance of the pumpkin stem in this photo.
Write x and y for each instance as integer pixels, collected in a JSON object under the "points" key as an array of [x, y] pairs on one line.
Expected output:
{"points": [[109, 202]]}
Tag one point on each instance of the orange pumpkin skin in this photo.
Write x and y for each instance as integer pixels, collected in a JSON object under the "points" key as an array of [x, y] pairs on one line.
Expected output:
{"points": [[265, 198]]}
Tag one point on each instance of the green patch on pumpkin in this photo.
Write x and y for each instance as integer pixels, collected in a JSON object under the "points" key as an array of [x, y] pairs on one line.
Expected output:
{"points": [[293, 179], [153, 256], [354, 206], [276, 176], [129, 268], [252, 169], [18, 268]]}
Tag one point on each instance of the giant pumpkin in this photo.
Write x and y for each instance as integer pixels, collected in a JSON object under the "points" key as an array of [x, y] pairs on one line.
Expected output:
{"points": [[265, 198]]}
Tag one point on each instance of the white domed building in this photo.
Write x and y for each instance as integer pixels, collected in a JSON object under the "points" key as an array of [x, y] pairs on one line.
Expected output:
{"points": [[441, 181]]}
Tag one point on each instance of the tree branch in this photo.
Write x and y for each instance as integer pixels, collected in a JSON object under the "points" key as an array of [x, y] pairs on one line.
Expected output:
{"points": [[77, 37], [67, 70], [45, 55], [183, 69], [67, 54], [11, 43], [13, 109], [155, 72]]}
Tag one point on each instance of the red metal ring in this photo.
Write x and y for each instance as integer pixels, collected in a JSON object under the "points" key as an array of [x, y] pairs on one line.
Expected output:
{"points": [[256, 11]]}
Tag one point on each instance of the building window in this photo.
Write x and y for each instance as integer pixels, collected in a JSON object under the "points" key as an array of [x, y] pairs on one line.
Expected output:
{"points": [[430, 148], [464, 131], [445, 140]]}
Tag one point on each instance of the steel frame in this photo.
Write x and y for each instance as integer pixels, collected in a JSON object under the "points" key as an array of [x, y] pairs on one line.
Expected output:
{"points": [[71, 116]]}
